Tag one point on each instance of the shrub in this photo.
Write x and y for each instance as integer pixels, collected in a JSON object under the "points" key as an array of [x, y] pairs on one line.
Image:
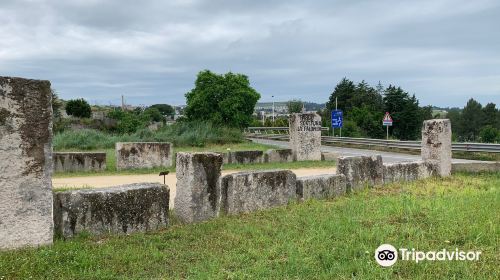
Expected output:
{"points": [[180, 134], [78, 108]]}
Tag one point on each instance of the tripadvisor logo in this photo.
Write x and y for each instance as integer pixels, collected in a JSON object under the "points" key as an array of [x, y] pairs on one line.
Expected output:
{"points": [[386, 255]]}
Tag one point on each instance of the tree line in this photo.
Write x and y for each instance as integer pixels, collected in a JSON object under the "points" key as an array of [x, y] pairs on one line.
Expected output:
{"points": [[364, 107], [475, 122]]}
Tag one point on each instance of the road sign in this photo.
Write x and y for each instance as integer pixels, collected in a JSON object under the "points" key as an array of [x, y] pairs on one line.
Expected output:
{"points": [[387, 121], [337, 118]]}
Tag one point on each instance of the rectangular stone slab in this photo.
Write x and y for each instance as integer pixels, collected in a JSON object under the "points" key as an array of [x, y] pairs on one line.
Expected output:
{"points": [[321, 186], [25, 163], [251, 191], [244, 157], [79, 161], [361, 171], [122, 209], [280, 155], [131, 155], [408, 171]]}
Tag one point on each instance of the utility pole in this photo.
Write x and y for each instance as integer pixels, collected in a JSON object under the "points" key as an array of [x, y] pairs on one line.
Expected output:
{"points": [[273, 109], [337, 109]]}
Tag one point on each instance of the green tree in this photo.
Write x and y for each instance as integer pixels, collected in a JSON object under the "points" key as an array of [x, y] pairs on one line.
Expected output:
{"points": [[56, 105], [472, 120], [78, 108], [295, 106], [164, 109], [153, 114], [226, 99], [489, 134], [490, 114], [455, 117], [405, 112]]}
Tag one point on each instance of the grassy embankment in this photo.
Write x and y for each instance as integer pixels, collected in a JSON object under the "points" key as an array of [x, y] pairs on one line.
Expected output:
{"points": [[328, 239]]}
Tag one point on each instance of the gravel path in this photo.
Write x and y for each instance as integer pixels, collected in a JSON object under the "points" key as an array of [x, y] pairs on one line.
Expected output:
{"points": [[115, 180]]}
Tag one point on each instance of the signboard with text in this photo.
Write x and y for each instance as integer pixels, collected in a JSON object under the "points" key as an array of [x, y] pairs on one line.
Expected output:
{"points": [[337, 119]]}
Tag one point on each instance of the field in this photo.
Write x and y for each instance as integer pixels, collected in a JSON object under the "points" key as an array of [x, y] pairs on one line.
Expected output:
{"points": [[327, 239], [111, 158]]}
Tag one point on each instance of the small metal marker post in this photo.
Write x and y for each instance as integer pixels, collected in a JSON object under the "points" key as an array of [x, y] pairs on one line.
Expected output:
{"points": [[164, 173]]}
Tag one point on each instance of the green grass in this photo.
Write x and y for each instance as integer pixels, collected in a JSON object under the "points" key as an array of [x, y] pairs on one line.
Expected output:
{"points": [[196, 134], [331, 239]]}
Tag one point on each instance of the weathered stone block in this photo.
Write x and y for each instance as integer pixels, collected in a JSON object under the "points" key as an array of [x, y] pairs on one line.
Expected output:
{"points": [[130, 155], [436, 144], [281, 155], [321, 186], [408, 171], [245, 157], [123, 209], [305, 136], [198, 188], [250, 191], [25, 163], [361, 171], [476, 167], [329, 156], [79, 161]]}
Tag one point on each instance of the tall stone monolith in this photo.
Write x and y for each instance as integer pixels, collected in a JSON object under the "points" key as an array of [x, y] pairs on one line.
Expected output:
{"points": [[305, 136], [25, 163], [436, 144], [198, 188]]}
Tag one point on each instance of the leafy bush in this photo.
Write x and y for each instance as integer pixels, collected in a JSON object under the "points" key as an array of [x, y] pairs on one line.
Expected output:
{"points": [[78, 108], [489, 134], [180, 134]]}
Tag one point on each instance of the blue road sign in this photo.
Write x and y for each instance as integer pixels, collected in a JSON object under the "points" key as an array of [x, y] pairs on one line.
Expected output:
{"points": [[337, 118]]}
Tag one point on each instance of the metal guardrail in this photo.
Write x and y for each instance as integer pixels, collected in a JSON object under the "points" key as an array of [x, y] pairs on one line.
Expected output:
{"points": [[256, 132]]}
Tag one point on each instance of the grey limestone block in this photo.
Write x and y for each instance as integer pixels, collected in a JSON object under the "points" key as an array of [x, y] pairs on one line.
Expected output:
{"points": [[321, 186], [132, 155], [408, 171], [329, 156], [198, 186], [125, 209], [436, 144], [245, 157], [79, 161], [361, 171], [305, 136], [251, 191], [25, 163], [280, 155]]}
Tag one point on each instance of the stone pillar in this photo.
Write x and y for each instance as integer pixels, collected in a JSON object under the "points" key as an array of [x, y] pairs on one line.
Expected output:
{"points": [[436, 144], [198, 188], [305, 136], [25, 163]]}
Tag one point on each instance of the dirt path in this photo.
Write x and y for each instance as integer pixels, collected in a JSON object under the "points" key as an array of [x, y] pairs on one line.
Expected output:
{"points": [[108, 181]]}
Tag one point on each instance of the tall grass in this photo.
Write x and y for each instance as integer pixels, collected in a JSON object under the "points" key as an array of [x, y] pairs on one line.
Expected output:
{"points": [[180, 134]]}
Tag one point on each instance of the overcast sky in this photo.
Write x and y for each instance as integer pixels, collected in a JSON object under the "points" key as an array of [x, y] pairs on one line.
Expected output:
{"points": [[443, 51]]}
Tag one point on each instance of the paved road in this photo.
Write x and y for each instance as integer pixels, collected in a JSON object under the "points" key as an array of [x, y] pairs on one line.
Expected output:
{"points": [[386, 156]]}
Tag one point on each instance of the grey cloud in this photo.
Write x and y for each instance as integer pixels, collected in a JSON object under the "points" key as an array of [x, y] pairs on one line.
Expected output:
{"points": [[443, 51]]}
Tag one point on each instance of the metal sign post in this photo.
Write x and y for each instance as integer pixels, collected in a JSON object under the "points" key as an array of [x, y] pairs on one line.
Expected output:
{"points": [[387, 121]]}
